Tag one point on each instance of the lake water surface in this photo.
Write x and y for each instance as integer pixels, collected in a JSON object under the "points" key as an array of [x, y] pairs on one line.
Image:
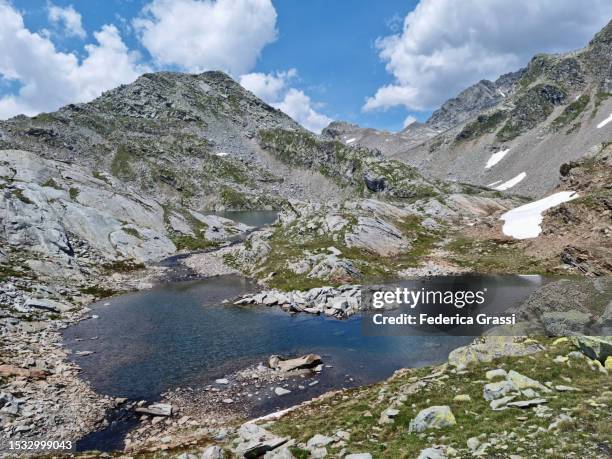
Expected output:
{"points": [[255, 218], [181, 334]]}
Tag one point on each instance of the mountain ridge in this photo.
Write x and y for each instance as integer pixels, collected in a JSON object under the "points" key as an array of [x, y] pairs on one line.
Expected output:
{"points": [[566, 94]]}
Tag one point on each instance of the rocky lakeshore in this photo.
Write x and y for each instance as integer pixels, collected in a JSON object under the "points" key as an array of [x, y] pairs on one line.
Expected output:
{"points": [[525, 389], [42, 395], [197, 413]]}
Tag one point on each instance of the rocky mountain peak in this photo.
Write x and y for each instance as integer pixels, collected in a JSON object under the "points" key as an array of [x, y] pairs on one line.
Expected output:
{"points": [[472, 101], [337, 128], [603, 37]]}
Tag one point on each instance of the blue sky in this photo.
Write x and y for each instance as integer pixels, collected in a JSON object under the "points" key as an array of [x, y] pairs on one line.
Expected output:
{"points": [[377, 64]]}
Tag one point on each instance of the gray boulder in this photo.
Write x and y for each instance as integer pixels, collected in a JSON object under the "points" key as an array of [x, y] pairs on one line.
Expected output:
{"points": [[595, 347], [434, 417], [436, 452], [212, 452], [565, 323]]}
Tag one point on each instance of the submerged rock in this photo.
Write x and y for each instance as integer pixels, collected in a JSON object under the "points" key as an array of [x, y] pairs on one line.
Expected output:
{"points": [[280, 391]]}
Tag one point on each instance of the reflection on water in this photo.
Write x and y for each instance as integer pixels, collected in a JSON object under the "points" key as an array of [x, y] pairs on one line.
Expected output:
{"points": [[181, 334]]}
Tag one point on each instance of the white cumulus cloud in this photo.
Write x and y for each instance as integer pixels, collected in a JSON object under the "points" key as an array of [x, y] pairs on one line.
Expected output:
{"points": [[199, 35], [409, 120], [268, 86], [47, 78], [274, 89], [69, 18], [447, 45], [298, 106]]}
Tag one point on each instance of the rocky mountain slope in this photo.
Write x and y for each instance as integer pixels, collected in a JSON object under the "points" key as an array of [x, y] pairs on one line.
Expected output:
{"points": [[514, 133], [184, 138]]}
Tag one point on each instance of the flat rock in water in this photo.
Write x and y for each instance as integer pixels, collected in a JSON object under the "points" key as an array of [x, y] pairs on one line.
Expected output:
{"points": [[306, 361], [281, 391], [156, 409]]}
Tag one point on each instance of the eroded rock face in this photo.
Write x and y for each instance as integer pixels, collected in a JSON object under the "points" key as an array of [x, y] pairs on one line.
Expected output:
{"points": [[50, 208], [378, 236], [44, 202]]}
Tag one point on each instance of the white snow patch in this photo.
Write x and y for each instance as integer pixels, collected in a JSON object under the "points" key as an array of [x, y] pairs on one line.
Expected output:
{"points": [[494, 183], [577, 97], [604, 122], [274, 416], [351, 140], [496, 157], [222, 154], [501, 93], [510, 183], [524, 222]]}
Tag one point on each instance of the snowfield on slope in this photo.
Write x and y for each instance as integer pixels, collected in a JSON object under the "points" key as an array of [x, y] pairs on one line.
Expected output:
{"points": [[496, 157], [604, 122], [524, 222], [512, 182]]}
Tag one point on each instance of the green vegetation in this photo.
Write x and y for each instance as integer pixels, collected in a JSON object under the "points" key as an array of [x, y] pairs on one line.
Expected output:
{"points": [[329, 157], [73, 192], [294, 242], [132, 232], [345, 165], [183, 241], [486, 123], [225, 168], [98, 292], [120, 167], [18, 193], [234, 199], [52, 184], [494, 256], [348, 410], [534, 70], [45, 117], [600, 96], [12, 271], [532, 108], [191, 243], [570, 113], [299, 453], [122, 266]]}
